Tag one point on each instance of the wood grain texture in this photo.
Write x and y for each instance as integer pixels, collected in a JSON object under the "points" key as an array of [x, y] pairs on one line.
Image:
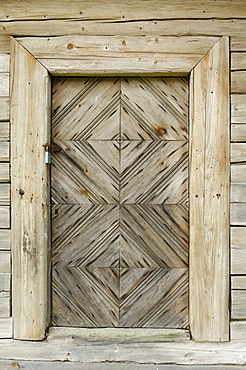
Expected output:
{"points": [[238, 61], [77, 47], [4, 108], [238, 43], [209, 196], [106, 27], [5, 239], [4, 217], [4, 131], [30, 211], [6, 327], [5, 263], [238, 82], [238, 214], [4, 84], [238, 192], [4, 151], [4, 172], [4, 62], [4, 43], [238, 133], [238, 153], [238, 173], [121, 10], [238, 282], [4, 194], [124, 64], [238, 304], [238, 108], [238, 331], [5, 279], [238, 250]]}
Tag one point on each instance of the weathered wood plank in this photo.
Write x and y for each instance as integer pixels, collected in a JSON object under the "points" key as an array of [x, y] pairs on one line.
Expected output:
{"points": [[4, 131], [238, 82], [238, 192], [30, 213], [4, 239], [238, 329], [238, 43], [238, 304], [122, 64], [4, 62], [238, 214], [4, 108], [5, 279], [4, 43], [5, 262], [4, 304], [4, 84], [4, 217], [4, 172], [238, 250], [238, 108], [209, 196], [238, 133], [238, 173], [4, 151], [107, 27], [4, 194], [6, 327], [77, 47], [238, 153], [121, 10], [238, 61], [238, 282]]}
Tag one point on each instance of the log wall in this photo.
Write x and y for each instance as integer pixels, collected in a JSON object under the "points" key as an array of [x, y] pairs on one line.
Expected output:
{"points": [[136, 18]]}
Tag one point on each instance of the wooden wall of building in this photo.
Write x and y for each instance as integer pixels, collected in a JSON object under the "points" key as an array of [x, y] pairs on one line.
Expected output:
{"points": [[148, 17]]}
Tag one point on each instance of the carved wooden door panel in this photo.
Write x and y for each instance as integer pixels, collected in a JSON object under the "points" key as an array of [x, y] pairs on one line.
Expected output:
{"points": [[120, 192]]}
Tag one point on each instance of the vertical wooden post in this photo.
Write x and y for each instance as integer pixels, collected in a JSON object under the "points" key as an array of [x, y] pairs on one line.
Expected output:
{"points": [[209, 196], [30, 114]]}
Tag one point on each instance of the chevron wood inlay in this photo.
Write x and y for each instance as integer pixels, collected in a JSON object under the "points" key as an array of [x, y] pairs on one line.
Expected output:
{"points": [[120, 202]]}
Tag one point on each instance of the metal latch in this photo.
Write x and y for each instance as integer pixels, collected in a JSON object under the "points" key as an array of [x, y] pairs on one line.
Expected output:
{"points": [[48, 151]]}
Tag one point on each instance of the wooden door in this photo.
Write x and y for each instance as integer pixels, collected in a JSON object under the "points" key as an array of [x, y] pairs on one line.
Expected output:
{"points": [[120, 192]]}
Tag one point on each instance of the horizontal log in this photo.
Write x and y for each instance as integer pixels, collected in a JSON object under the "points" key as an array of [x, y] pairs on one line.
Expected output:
{"points": [[238, 61], [4, 43], [238, 214], [154, 65], [6, 328], [4, 62], [121, 10], [238, 173], [238, 108], [238, 330], [4, 194], [238, 132], [4, 84], [4, 131], [238, 43], [238, 304], [4, 108], [4, 172], [238, 153], [238, 250], [4, 217], [5, 279], [238, 193], [4, 304], [238, 282], [4, 151], [5, 264], [4, 239], [96, 27], [76, 47], [238, 82]]}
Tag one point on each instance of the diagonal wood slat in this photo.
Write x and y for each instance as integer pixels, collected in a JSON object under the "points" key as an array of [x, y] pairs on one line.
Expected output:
{"points": [[120, 202]]}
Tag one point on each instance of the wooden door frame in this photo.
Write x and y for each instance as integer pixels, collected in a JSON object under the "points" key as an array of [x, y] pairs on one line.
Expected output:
{"points": [[206, 59]]}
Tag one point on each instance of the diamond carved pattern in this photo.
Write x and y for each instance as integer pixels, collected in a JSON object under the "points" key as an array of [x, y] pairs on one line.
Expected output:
{"points": [[120, 193]]}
